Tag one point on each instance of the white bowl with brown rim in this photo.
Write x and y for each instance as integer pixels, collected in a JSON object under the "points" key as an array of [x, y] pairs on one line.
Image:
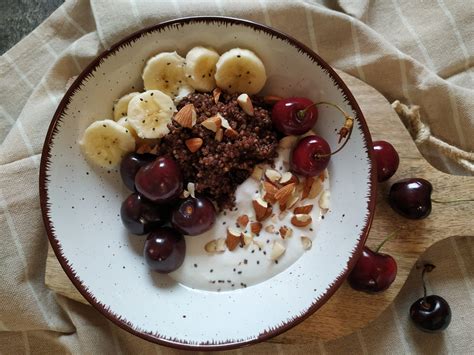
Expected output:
{"points": [[80, 204]]}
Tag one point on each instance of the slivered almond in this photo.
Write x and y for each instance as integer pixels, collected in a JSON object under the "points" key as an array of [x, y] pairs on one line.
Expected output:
{"points": [[301, 220], [260, 206], [255, 227], [306, 209], [193, 144], [285, 232], [271, 99], [216, 94], [219, 135], [272, 175], [324, 200], [246, 104], [257, 172], [284, 193], [243, 220], [287, 142], [215, 246], [307, 243], [231, 133], [212, 123], [186, 117], [270, 228], [316, 188], [277, 250], [308, 182], [269, 191], [288, 178], [234, 238]]}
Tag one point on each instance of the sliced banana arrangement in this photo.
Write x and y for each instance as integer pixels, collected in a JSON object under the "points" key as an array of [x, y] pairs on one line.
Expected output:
{"points": [[167, 79]]}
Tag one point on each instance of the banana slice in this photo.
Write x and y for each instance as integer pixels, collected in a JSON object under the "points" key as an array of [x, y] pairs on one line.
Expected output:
{"points": [[106, 142], [240, 70], [200, 68], [150, 112], [125, 123], [165, 72], [121, 105]]}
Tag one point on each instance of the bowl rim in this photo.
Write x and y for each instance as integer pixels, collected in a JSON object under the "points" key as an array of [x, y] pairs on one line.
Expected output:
{"points": [[70, 272]]}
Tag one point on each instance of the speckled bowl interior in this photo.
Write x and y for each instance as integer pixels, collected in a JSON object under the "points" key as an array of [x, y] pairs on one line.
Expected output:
{"points": [[81, 204]]}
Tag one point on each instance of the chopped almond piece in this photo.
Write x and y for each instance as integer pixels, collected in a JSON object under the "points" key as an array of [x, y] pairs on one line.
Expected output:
{"points": [[270, 228], [306, 209], [316, 188], [307, 243], [272, 175], [193, 144], [186, 117], [301, 220], [231, 133], [212, 123], [215, 246], [285, 232], [324, 200], [261, 208], [234, 238], [269, 192], [255, 227], [288, 178], [247, 239], [284, 194], [246, 104], [243, 220], [277, 250], [216, 94], [219, 135], [308, 182]]}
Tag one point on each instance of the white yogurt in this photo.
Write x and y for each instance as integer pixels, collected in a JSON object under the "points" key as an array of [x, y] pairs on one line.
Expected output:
{"points": [[249, 265]]}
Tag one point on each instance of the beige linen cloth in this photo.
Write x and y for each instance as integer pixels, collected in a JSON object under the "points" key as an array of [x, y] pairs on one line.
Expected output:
{"points": [[417, 52]]}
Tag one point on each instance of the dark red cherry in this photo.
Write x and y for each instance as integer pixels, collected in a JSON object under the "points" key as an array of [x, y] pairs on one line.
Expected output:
{"points": [[411, 197], [294, 115], [373, 272], [310, 156], [160, 181], [387, 160], [431, 314], [140, 216], [165, 249], [130, 165], [194, 216]]}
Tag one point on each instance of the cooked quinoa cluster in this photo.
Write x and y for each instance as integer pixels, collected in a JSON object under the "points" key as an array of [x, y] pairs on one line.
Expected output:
{"points": [[217, 168]]}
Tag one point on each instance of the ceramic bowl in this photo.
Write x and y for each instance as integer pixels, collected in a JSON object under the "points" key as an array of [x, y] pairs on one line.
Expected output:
{"points": [[80, 204]]}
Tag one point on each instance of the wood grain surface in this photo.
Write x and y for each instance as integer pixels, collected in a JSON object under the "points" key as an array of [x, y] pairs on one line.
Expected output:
{"points": [[348, 310]]}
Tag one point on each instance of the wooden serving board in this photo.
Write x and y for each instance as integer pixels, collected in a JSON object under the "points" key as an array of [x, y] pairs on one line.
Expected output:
{"points": [[339, 317]]}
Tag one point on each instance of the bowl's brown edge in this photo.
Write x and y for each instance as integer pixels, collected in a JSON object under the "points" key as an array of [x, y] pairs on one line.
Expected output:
{"points": [[123, 323]]}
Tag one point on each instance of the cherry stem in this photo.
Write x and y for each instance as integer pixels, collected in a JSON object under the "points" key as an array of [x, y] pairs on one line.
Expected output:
{"points": [[390, 237], [452, 201], [426, 268], [344, 132]]}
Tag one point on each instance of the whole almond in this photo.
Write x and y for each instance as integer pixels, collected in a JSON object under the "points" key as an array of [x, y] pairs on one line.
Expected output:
{"points": [[186, 117], [193, 144], [301, 220], [306, 209], [243, 220], [284, 193]]}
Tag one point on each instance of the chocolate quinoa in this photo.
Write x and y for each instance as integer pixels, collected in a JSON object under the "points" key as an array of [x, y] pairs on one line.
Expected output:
{"points": [[217, 168]]}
